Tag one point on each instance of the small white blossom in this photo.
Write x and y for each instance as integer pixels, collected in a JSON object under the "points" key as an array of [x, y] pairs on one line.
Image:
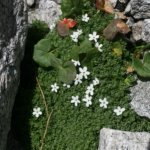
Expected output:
{"points": [[85, 18], [90, 90], [88, 100], [84, 72], [37, 112], [93, 36], [52, 26], [66, 85], [96, 81], [76, 63], [75, 35], [78, 79], [98, 46], [103, 103], [79, 31], [54, 87], [75, 100], [119, 110]]}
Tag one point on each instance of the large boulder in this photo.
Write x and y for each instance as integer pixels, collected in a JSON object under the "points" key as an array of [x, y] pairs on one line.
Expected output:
{"points": [[13, 21], [122, 140]]}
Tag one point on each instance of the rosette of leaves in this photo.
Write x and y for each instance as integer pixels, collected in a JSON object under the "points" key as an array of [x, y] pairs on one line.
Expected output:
{"points": [[142, 67], [45, 57]]}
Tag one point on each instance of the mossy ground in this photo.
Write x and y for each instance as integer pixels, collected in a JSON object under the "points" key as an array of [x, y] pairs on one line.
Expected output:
{"points": [[70, 127]]}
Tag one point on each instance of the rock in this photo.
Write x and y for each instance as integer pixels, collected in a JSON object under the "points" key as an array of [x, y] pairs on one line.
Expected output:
{"points": [[128, 8], [140, 9], [116, 27], [146, 30], [122, 140], [30, 2], [130, 21], [137, 31], [140, 95], [47, 11], [113, 2], [13, 25]]}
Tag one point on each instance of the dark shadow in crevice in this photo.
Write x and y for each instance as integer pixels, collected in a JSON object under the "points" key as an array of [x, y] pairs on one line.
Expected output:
{"points": [[22, 111]]}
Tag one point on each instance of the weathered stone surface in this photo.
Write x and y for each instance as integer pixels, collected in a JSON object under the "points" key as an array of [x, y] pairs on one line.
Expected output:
{"points": [[146, 30], [137, 30], [140, 9], [13, 20], [46, 10], [122, 140], [30, 2], [140, 95]]}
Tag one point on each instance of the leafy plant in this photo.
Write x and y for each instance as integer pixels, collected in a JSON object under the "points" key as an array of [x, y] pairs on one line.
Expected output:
{"points": [[142, 68], [44, 57]]}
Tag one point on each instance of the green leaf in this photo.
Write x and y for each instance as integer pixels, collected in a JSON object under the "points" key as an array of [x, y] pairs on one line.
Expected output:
{"points": [[146, 61], [67, 73], [140, 69], [84, 47], [43, 55]]}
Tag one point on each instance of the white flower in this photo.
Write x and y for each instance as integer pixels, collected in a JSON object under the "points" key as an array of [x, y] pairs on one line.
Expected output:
{"points": [[88, 101], [75, 100], [103, 103], [90, 90], [85, 18], [84, 73], [96, 81], [76, 63], [54, 87], [98, 46], [52, 26], [75, 35], [78, 79], [37, 112], [66, 85], [79, 31], [119, 110], [93, 36]]}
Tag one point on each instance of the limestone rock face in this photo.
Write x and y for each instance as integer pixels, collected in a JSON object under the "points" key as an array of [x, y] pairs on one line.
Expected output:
{"points": [[140, 9], [45, 10], [122, 140], [13, 21], [140, 95]]}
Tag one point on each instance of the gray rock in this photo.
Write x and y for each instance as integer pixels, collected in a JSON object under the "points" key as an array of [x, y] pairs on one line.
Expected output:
{"points": [[137, 30], [122, 140], [13, 20], [130, 21], [30, 2], [47, 11], [140, 95], [146, 30], [140, 9], [113, 2], [128, 8]]}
